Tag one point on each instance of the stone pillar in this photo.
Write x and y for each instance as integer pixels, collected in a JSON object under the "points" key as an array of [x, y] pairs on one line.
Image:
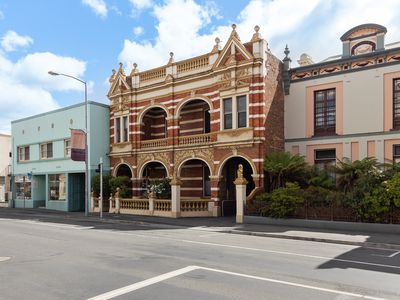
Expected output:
{"points": [[240, 183], [92, 201], [152, 197], [117, 201], [215, 196], [111, 209], [176, 197]]}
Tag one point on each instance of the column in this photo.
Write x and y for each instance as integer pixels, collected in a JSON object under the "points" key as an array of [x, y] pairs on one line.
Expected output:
{"points": [[215, 192], [240, 183], [176, 197]]}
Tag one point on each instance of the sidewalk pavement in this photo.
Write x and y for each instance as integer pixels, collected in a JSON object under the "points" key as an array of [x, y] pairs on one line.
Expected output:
{"points": [[224, 225]]}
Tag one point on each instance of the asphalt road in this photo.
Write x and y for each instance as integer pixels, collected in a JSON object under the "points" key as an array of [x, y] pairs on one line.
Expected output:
{"points": [[94, 260]]}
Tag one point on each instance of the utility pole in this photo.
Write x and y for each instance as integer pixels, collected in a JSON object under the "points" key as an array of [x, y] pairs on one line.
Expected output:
{"points": [[101, 187]]}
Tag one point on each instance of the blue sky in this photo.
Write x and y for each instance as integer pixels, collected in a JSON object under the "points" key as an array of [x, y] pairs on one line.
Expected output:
{"points": [[88, 38]]}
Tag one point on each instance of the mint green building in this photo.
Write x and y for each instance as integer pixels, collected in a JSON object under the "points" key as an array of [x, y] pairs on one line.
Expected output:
{"points": [[44, 174]]}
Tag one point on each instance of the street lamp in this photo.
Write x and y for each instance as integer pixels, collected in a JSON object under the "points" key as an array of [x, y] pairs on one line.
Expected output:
{"points": [[86, 138]]}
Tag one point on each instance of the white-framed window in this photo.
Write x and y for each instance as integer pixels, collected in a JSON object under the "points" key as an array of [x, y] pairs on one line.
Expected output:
{"points": [[227, 103], [23, 153], [46, 150], [67, 148], [234, 112], [121, 129], [241, 111]]}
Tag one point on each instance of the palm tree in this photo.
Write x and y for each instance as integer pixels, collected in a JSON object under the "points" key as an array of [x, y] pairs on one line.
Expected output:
{"points": [[351, 172], [282, 167]]}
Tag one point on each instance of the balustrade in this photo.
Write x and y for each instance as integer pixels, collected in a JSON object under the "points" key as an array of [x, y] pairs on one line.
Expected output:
{"points": [[195, 139], [136, 204], [162, 205], [194, 205]]}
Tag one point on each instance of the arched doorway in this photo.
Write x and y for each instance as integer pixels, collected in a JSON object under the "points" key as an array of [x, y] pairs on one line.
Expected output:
{"points": [[125, 170], [194, 118], [154, 124], [195, 178], [153, 173], [227, 188]]}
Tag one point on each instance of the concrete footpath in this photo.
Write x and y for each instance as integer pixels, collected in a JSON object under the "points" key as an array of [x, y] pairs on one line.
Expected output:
{"points": [[373, 235]]}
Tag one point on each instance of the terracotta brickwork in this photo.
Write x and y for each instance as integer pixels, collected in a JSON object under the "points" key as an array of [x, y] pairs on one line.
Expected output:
{"points": [[200, 118]]}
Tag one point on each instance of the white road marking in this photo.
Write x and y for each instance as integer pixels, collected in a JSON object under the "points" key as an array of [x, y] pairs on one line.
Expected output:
{"points": [[4, 258], [394, 254], [169, 275], [390, 255], [266, 250], [50, 224], [142, 284]]}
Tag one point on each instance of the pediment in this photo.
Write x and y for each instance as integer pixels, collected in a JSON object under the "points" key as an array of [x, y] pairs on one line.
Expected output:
{"points": [[119, 85], [233, 52]]}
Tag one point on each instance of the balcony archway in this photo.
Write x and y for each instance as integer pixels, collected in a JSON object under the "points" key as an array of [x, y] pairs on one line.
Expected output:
{"points": [[152, 172], [125, 170], [195, 177], [153, 123], [194, 117]]}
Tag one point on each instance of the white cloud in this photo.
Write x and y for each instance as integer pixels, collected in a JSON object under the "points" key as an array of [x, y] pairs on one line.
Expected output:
{"points": [[312, 26], [179, 22], [98, 6], [11, 41], [141, 4], [138, 30], [26, 86]]}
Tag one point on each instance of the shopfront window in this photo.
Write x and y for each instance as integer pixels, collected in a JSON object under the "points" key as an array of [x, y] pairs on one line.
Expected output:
{"points": [[57, 187], [23, 188]]}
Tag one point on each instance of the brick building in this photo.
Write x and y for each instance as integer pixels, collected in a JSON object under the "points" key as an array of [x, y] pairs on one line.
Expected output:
{"points": [[194, 121]]}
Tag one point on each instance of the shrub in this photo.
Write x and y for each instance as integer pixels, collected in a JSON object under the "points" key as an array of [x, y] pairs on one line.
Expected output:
{"points": [[392, 189], [282, 202], [162, 188], [123, 182], [318, 196], [106, 185]]}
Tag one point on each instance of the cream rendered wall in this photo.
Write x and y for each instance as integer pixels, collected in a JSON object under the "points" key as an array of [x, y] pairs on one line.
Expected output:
{"points": [[5, 149], [362, 102], [346, 142], [295, 111]]}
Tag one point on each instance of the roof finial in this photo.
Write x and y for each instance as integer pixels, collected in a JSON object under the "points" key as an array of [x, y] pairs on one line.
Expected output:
{"points": [[121, 69], [216, 46], [256, 35], [112, 77], [171, 58], [234, 33], [135, 70], [286, 51]]}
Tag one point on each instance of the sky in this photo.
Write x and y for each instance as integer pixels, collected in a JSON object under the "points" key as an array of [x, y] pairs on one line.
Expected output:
{"points": [[88, 38]]}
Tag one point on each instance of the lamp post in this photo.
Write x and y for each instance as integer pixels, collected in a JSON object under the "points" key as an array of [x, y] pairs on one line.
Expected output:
{"points": [[86, 137]]}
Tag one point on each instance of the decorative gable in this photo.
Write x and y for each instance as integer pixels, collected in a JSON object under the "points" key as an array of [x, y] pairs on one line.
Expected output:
{"points": [[233, 52], [118, 82]]}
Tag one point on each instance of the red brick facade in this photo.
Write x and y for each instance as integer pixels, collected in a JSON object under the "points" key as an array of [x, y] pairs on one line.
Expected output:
{"points": [[177, 118]]}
